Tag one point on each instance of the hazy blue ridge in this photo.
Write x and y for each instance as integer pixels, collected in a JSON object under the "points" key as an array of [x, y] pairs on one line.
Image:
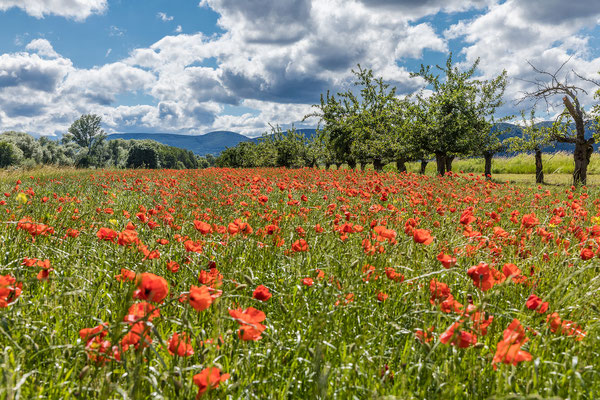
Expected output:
{"points": [[217, 141]]}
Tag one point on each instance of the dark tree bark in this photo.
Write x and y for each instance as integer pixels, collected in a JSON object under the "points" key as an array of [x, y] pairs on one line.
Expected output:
{"points": [[327, 165], [352, 163], [377, 164], [338, 165], [539, 168], [583, 148], [487, 156], [423, 166], [440, 159], [400, 165], [363, 165], [449, 160]]}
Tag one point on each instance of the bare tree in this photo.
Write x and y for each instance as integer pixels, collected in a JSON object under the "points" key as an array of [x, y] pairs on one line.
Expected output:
{"points": [[548, 88]]}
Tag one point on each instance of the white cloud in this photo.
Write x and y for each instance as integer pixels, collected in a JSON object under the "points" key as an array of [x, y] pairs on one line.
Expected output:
{"points": [[42, 47], [546, 33], [164, 17], [179, 29], [276, 57], [75, 9]]}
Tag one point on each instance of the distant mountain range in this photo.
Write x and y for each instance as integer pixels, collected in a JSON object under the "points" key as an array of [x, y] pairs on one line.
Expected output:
{"points": [[209, 143], [217, 141]]}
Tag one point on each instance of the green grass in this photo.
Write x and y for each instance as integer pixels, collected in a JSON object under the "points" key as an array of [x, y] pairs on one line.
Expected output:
{"points": [[556, 163], [311, 347]]}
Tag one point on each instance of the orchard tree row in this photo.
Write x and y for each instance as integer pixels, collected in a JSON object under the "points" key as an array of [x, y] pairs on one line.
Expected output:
{"points": [[454, 116]]}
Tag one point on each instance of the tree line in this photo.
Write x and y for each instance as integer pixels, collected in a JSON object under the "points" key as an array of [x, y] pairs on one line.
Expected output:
{"points": [[454, 116], [86, 146]]}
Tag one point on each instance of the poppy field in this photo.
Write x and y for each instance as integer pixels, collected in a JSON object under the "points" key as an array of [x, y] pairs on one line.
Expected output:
{"points": [[275, 283]]}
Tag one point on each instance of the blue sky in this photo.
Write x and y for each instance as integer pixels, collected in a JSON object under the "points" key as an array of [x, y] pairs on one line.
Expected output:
{"points": [[192, 67]]}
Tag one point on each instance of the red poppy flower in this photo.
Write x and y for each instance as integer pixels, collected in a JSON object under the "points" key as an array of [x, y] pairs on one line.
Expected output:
{"points": [[202, 227], [180, 344], [250, 320], [125, 275], [106, 234], [10, 290], [535, 303], [482, 276], [300, 245], [587, 253], [422, 236], [308, 281], [458, 338], [261, 293], [200, 298], [509, 350], [209, 378], [151, 287], [172, 266], [446, 260]]}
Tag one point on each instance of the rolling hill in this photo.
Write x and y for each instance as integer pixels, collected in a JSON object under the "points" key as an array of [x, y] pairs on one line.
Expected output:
{"points": [[217, 141], [209, 143]]}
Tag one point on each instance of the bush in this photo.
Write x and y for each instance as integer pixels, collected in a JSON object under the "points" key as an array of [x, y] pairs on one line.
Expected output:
{"points": [[10, 154], [143, 155]]}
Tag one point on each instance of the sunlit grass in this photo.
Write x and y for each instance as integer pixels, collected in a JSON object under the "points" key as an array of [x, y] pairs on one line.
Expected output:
{"points": [[319, 342]]}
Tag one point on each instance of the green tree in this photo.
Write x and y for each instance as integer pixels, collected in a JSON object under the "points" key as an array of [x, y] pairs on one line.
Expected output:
{"points": [[337, 117], [10, 154], [459, 110], [143, 155], [534, 137], [29, 146], [375, 122], [290, 146], [86, 130]]}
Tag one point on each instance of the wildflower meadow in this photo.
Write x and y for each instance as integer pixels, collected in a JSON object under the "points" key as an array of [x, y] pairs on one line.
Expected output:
{"points": [[302, 284]]}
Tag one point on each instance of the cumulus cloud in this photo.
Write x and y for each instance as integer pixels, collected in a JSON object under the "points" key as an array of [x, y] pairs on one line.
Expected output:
{"points": [[75, 9], [275, 57], [42, 47], [543, 32]]}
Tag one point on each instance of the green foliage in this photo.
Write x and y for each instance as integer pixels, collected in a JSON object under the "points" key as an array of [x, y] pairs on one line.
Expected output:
{"points": [[279, 149], [86, 131], [337, 134], [9, 154], [30, 148], [143, 155], [457, 115], [534, 137], [378, 122]]}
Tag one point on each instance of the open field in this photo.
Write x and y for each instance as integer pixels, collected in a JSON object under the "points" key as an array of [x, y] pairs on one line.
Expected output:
{"points": [[296, 284], [555, 163]]}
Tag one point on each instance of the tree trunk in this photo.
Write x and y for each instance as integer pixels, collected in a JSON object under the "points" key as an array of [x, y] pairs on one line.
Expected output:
{"points": [[352, 163], [449, 160], [363, 165], [440, 159], [400, 165], [327, 165], [377, 164], [423, 166], [539, 168], [583, 152], [338, 165], [488, 164], [583, 148]]}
